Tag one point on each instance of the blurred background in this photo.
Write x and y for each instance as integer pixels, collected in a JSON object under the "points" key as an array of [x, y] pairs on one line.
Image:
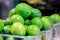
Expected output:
{"points": [[47, 7]]}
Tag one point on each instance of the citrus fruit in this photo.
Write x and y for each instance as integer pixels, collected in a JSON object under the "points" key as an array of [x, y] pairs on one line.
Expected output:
{"points": [[10, 38], [27, 22], [18, 29], [47, 22], [1, 38], [7, 21], [28, 39], [56, 18], [24, 10], [37, 21], [33, 30], [36, 13], [17, 18], [1, 25], [12, 12], [7, 29]]}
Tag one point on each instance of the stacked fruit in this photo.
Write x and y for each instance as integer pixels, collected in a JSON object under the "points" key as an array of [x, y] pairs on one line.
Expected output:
{"points": [[25, 20]]}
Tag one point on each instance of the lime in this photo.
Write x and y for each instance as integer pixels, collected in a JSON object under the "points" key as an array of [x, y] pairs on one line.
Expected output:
{"points": [[7, 21], [27, 22], [17, 18], [56, 18], [18, 29], [47, 22], [10, 38], [1, 38], [28, 39], [7, 29], [24, 10], [33, 30], [36, 13], [1, 25], [26, 27], [12, 12], [37, 21]]}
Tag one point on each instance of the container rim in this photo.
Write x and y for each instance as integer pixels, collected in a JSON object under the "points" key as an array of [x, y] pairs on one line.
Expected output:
{"points": [[15, 36]]}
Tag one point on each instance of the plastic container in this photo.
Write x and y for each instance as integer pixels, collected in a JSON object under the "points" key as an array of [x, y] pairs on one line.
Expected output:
{"points": [[56, 29], [23, 37], [48, 34]]}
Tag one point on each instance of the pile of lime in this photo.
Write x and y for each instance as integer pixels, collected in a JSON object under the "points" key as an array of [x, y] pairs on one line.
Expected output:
{"points": [[25, 20]]}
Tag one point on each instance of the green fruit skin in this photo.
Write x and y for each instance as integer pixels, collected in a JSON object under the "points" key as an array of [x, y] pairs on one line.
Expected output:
{"points": [[33, 30], [47, 22], [37, 21], [7, 21], [18, 29], [1, 25], [24, 10], [28, 39], [17, 18], [26, 27], [12, 12], [10, 38], [27, 22], [7, 29], [56, 18], [36, 13], [1, 38]]}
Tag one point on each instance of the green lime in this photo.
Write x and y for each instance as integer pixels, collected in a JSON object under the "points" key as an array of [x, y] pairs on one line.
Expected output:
{"points": [[24, 10], [7, 21], [28, 39], [10, 38], [47, 22], [26, 27], [1, 25], [56, 18], [36, 13], [18, 29], [12, 12], [7, 29], [17, 18], [33, 30], [27, 22], [37, 21], [1, 38]]}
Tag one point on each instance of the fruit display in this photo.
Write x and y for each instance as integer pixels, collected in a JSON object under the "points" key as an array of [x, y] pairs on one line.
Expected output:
{"points": [[25, 20]]}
